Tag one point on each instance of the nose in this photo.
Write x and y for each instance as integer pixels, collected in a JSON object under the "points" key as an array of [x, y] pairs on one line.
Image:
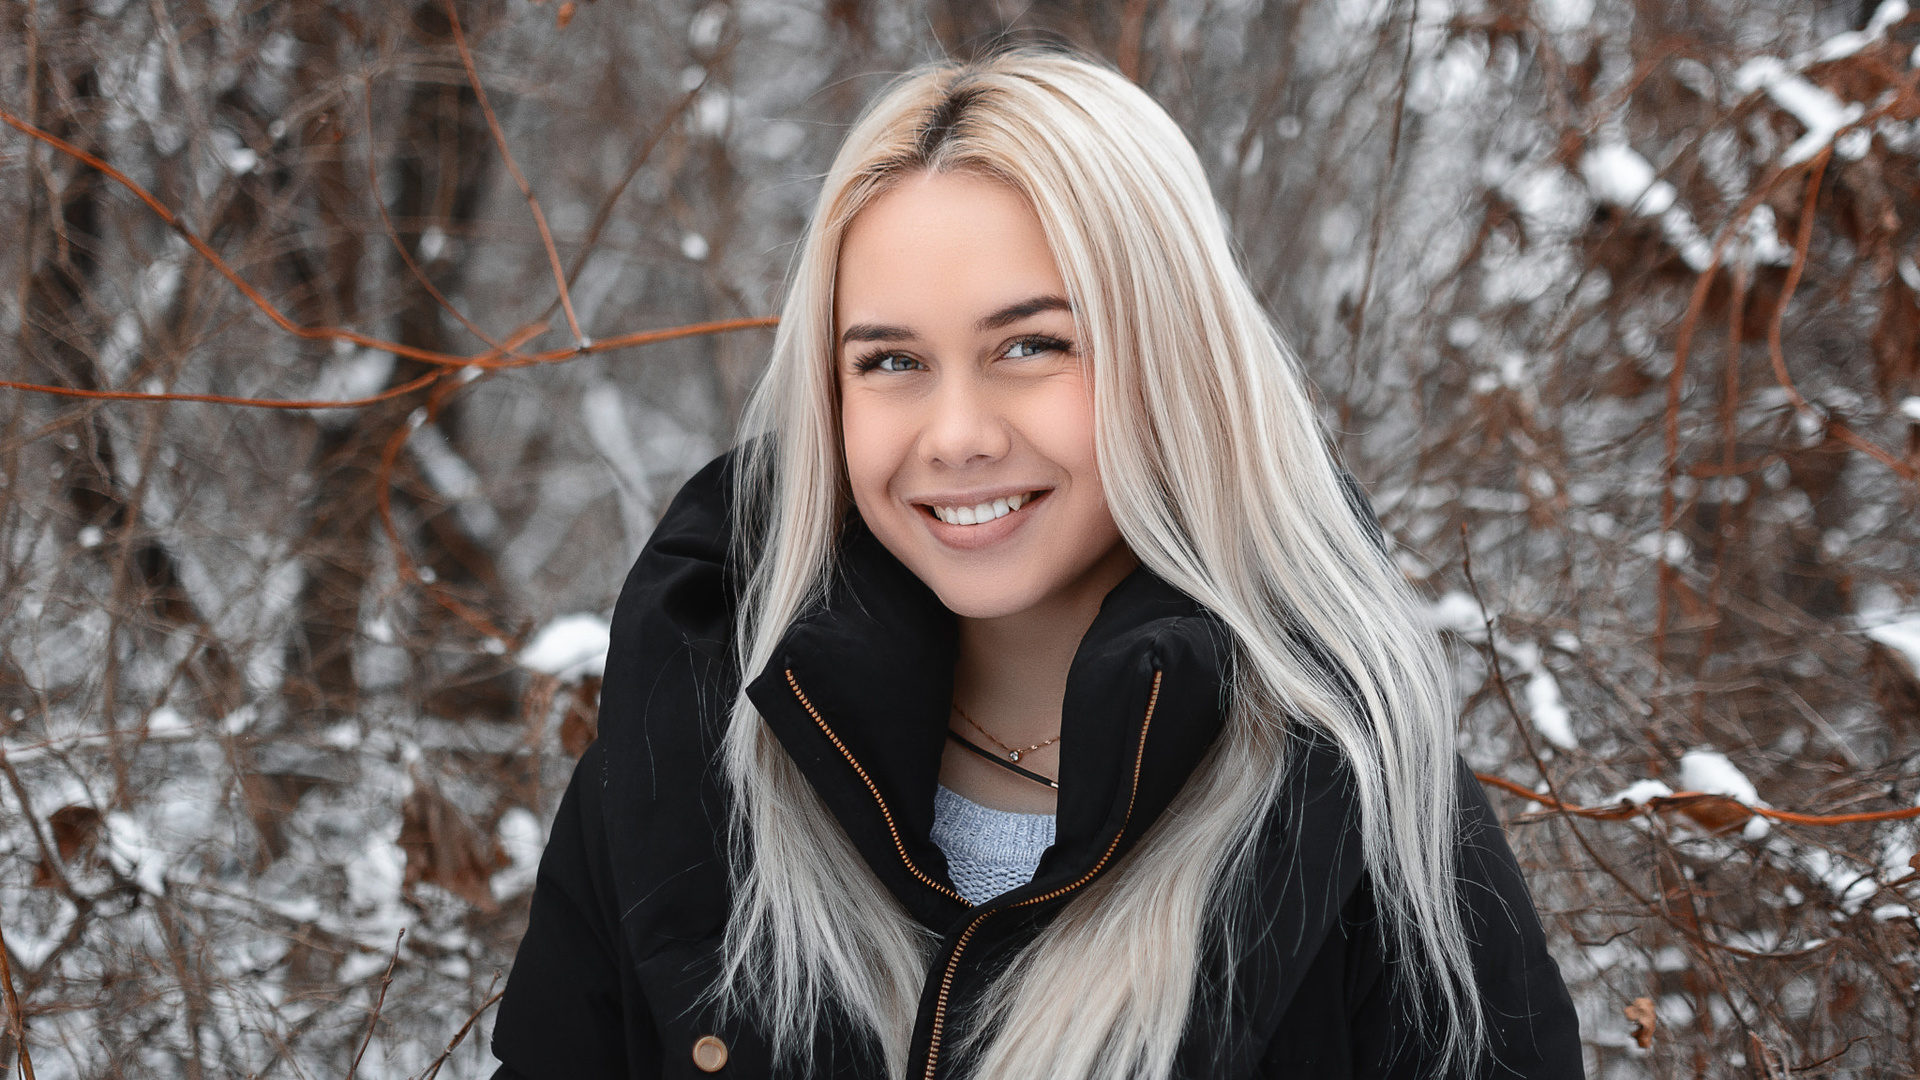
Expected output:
{"points": [[962, 425]]}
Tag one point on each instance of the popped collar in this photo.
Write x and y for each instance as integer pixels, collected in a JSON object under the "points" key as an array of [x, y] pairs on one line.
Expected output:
{"points": [[630, 905]]}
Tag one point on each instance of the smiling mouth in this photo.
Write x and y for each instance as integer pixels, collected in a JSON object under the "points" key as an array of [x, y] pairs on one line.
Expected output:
{"points": [[984, 512]]}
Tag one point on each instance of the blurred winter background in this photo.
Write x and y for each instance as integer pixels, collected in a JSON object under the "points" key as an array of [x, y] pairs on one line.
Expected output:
{"points": [[1610, 302]]}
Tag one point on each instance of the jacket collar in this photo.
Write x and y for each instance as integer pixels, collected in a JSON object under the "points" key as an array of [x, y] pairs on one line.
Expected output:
{"points": [[859, 691]]}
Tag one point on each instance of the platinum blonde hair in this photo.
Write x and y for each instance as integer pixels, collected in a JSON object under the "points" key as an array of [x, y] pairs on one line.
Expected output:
{"points": [[1221, 481]]}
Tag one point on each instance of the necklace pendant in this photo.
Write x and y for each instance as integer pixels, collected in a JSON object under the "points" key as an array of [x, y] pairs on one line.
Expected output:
{"points": [[1013, 755]]}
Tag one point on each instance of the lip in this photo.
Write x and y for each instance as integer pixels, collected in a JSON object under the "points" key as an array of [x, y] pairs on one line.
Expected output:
{"points": [[975, 537]]}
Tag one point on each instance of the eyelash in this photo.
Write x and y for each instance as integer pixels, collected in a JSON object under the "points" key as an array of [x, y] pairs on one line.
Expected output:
{"points": [[1038, 342]]}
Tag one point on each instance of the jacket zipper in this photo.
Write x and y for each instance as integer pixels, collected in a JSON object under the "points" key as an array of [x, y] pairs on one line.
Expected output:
{"points": [[886, 813], [959, 945]]}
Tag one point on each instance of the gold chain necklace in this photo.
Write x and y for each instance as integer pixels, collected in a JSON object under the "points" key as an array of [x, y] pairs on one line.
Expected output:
{"points": [[1013, 753]]}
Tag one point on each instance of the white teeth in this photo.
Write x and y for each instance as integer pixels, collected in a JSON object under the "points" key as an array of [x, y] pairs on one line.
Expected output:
{"points": [[981, 514]]}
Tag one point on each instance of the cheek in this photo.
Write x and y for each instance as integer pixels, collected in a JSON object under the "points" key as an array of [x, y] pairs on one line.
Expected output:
{"points": [[874, 448], [1064, 433], [1069, 443]]}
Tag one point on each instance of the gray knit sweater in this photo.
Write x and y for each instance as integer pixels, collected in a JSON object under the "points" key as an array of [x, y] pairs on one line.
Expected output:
{"points": [[988, 851]]}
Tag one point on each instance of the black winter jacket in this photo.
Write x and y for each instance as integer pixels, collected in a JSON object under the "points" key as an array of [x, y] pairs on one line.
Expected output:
{"points": [[632, 894]]}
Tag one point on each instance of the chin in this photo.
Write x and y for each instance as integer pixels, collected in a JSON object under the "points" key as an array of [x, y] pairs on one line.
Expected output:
{"points": [[971, 602]]}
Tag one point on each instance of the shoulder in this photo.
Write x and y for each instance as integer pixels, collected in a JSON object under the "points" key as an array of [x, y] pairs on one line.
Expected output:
{"points": [[1334, 993], [1532, 1027], [669, 688]]}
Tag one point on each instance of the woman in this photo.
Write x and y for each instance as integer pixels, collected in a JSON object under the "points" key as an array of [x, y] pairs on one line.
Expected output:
{"points": [[1030, 698]]}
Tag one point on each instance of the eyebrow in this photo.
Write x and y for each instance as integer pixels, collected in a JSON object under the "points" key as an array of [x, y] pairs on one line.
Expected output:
{"points": [[1006, 316]]}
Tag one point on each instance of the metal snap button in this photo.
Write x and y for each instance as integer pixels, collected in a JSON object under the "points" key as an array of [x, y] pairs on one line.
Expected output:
{"points": [[709, 1054]]}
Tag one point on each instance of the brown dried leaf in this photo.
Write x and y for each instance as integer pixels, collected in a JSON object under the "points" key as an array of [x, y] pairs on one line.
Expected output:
{"points": [[536, 704], [443, 848], [581, 727], [1896, 687], [1641, 1013], [75, 831], [1896, 341], [564, 16], [270, 801], [1715, 813]]}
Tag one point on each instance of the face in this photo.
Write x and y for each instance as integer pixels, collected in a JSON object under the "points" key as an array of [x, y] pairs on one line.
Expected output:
{"points": [[966, 403]]}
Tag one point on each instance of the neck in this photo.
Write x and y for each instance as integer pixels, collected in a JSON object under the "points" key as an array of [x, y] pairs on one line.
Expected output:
{"points": [[1010, 673]]}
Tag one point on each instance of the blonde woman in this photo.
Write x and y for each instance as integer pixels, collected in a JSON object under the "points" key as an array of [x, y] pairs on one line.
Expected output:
{"points": [[1029, 696]]}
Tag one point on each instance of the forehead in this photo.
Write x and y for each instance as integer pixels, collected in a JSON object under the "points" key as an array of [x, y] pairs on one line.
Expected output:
{"points": [[940, 248]]}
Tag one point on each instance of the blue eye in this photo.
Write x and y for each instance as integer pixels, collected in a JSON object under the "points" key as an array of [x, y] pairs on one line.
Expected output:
{"points": [[1034, 346], [887, 361]]}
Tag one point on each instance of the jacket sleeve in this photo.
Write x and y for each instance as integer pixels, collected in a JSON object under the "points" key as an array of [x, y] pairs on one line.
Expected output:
{"points": [[1352, 1017], [572, 1007], [1532, 1030]]}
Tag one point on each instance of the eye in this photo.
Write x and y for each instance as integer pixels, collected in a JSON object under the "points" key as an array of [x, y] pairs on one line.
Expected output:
{"points": [[887, 361], [1035, 346]]}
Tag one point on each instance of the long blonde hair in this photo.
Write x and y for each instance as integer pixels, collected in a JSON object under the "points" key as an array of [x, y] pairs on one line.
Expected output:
{"points": [[1219, 476]]}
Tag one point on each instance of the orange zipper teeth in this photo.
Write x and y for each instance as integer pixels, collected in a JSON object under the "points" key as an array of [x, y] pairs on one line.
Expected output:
{"points": [[946, 987], [892, 829], [953, 962]]}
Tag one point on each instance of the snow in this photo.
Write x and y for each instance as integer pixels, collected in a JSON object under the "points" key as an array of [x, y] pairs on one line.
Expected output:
{"points": [[711, 111], [1549, 197], [1910, 408], [375, 876], [522, 839], [1678, 227], [1886, 16], [1817, 109], [1673, 548], [569, 647], [1642, 792], [703, 33], [694, 246], [433, 242], [1851, 885], [354, 373], [31, 949], [1562, 16], [1546, 710], [1762, 234], [1709, 772], [1616, 174], [1458, 612], [1843, 45], [133, 854], [1902, 636]]}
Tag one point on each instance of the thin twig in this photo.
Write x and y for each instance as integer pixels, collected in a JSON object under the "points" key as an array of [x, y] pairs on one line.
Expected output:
{"points": [[473, 1019], [373, 1017], [483, 362], [526, 189], [16, 1019], [1681, 800]]}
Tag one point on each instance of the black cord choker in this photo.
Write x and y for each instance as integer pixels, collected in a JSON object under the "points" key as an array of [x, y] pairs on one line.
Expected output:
{"points": [[1002, 762]]}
